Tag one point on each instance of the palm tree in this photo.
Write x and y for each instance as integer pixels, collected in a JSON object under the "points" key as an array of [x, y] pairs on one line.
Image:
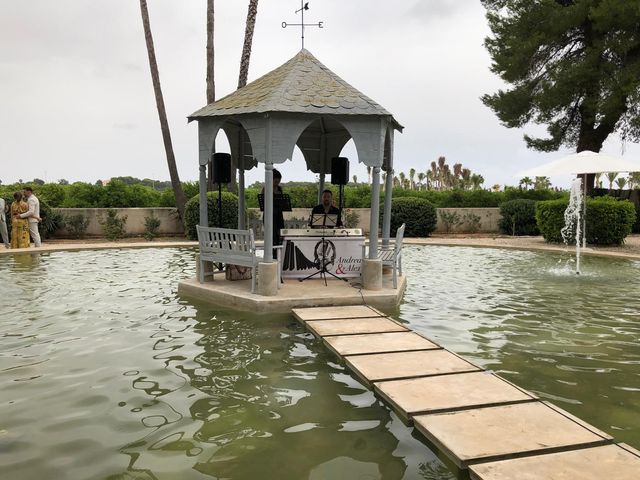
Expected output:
{"points": [[496, 187], [396, 182], [466, 178], [611, 176], [542, 183], [429, 178], [402, 177], [181, 200], [421, 177], [634, 180], [355, 179], [434, 174], [457, 175], [441, 173], [621, 182], [412, 175], [526, 181], [476, 181], [211, 85], [596, 180], [252, 11], [369, 173]]}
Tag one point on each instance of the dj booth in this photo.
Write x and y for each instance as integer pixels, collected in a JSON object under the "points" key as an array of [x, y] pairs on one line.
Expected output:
{"points": [[306, 250]]}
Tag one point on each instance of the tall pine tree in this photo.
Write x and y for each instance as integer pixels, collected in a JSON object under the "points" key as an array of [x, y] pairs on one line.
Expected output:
{"points": [[572, 65]]}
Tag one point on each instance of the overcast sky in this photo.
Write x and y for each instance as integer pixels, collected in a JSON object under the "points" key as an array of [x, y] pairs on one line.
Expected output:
{"points": [[77, 100]]}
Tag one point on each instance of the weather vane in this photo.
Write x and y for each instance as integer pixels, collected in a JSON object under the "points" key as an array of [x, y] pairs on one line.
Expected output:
{"points": [[303, 6]]}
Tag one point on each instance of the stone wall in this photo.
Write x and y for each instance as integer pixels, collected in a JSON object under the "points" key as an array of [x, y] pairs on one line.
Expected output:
{"points": [[486, 220], [170, 223]]}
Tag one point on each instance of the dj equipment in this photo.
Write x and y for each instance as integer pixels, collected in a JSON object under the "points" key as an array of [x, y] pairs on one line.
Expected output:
{"points": [[221, 168], [321, 232], [339, 170]]}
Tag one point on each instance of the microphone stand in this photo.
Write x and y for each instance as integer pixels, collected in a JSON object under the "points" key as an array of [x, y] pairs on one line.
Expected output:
{"points": [[323, 269]]}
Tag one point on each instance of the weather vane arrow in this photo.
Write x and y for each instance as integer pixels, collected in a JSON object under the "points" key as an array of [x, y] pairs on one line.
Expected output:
{"points": [[303, 6]]}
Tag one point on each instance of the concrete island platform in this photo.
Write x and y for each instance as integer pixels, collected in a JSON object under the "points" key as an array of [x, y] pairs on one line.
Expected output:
{"points": [[293, 294]]}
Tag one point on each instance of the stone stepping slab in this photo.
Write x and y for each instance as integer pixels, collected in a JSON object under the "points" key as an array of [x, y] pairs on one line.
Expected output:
{"points": [[619, 462], [323, 328], [448, 393], [378, 343], [394, 366], [330, 313], [496, 433]]}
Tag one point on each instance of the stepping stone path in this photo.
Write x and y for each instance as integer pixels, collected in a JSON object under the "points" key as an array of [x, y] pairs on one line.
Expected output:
{"points": [[617, 462], [448, 393], [479, 420]]}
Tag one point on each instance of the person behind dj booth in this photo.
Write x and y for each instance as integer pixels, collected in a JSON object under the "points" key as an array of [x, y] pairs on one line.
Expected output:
{"points": [[278, 216], [327, 207]]}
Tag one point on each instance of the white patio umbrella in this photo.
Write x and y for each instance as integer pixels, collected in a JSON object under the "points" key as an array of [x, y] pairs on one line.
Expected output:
{"points": [[582, 163]]}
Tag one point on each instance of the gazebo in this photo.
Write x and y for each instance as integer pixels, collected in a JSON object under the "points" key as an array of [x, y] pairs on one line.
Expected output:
{"points": [[300, 103]]}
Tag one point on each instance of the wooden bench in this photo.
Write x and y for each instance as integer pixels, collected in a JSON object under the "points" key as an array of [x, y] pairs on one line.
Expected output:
{"points": [[231, 247], [391, 255]]}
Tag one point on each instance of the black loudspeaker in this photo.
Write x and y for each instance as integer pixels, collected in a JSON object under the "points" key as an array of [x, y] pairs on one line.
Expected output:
{"points": [[340, 170], [221, 168]]}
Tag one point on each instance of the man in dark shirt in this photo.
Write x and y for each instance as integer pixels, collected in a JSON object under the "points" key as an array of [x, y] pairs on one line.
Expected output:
{"points": [[327, 207]]}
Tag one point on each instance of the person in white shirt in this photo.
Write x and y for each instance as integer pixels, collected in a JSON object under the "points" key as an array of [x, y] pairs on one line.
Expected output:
{"points": [[33, 215], [3, 223]]}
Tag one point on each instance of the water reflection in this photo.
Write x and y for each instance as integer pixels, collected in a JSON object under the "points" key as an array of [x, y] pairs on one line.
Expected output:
{"points": [[105, 373], [268, 397]]}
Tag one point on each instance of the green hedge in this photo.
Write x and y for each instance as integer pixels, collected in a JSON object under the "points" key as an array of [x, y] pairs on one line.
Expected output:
{"points": [[609, 221], [229, 212], [418, 214], [518, 217]]}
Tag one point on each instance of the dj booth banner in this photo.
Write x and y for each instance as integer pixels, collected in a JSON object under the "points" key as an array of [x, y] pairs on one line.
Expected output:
{"points": [[303, 256]]}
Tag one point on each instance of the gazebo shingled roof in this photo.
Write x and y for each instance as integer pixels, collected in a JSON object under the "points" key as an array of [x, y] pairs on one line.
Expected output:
{"points": [[301, 85]]}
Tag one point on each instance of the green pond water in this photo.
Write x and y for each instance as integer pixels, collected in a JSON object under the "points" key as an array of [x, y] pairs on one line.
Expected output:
{"points": [[106, 373]]}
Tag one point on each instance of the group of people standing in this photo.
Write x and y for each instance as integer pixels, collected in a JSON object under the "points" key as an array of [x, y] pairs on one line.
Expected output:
{"points": [[25, 216]]}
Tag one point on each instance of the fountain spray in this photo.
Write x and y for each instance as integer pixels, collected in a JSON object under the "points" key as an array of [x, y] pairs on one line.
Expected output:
{"points": [[572, 221]]}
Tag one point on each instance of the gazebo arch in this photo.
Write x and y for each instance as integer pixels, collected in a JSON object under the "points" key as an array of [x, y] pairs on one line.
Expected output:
{"points": [[300, 103]]}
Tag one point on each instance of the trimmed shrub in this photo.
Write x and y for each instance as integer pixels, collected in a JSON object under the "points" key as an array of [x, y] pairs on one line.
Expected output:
{"points": [[151, 226], [519, 217], [472, 221], [450, 220], [113, 225], [76, 225], [229, 212], [418, 214], [609, 221]]}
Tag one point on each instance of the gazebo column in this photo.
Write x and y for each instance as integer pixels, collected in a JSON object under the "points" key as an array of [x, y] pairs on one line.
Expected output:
{"points": [[204, 220], [241, 200], [372, 266], [386, 215], [375, 213], [388, 191], [268, 269], [268, 212]]}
